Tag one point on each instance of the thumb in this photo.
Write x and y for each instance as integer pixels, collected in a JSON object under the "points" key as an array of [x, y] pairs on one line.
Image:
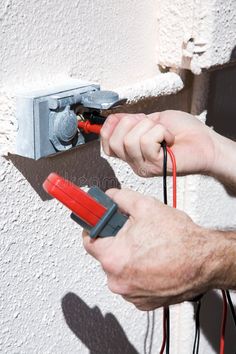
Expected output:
{"points": [[127, 200]]}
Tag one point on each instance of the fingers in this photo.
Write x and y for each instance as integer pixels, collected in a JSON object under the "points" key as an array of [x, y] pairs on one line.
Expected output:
{"points": [[150, 143], [144, 303], [99, 247], [155, 117], [132, 140], [107, 130], [135, 139], [113, 131], [130, 202]]}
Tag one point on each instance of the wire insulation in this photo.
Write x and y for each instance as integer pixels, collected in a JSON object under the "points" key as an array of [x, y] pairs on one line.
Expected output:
{"points": [[174, 173], [197, 328], [231, 306], [164, 334], [164, 173], [223, 323], [166, 313]]}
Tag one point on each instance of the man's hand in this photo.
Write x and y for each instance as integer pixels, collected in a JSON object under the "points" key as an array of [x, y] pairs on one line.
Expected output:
{"points": [[137, 138], [159, 257]]}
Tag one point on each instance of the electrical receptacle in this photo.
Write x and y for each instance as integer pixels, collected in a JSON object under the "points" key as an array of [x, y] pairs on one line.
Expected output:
{"points": [[47, 123]]}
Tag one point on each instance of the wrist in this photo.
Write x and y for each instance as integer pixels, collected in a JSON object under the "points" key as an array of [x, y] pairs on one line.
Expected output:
{"points": [[220, 266], [223, 160]]}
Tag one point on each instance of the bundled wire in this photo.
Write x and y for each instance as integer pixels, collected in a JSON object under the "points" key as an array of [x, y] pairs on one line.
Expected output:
{"points": [[197, 328], [223, 323], [166, 312], [231, 306], [225, 293]]}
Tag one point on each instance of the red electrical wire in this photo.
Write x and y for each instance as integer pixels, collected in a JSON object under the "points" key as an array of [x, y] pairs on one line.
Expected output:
{"points": [[224, 314], [88, 127], [174, 172], [223, 323]]}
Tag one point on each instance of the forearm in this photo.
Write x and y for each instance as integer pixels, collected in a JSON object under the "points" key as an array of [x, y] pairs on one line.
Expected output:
{"points": [[224, 163], [221, 265]]}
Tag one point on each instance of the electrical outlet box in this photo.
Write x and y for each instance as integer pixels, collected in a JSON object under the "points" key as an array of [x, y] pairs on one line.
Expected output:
{"points": [[47, 123]]}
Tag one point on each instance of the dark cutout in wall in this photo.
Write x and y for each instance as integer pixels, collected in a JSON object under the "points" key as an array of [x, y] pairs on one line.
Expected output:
{"points": [[222, 101]]}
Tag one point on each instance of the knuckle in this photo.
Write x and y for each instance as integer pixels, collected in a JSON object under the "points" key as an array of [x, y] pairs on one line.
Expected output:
{"points": [[108, 265], [114, 286], [86, 244], [126, 121], [141, 115], [161, 130], [104, 135], [141, 170], [139, 205], [111, 117], [145, 204], [117, 287], [143, 307], [144, 141], [113, 265], [128, 142], [114, 146]]}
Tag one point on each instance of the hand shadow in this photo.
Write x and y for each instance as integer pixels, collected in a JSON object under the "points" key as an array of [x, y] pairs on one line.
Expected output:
{"points": [[210, 322], [101, 334], [83, 166]]}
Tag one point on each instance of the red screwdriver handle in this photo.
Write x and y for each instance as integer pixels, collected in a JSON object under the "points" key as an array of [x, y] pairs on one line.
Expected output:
{"points": [[87, 127]]}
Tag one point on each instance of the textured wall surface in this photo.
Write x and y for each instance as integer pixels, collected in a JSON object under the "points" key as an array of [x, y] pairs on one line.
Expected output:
{"points": [[95, 40], [204, 33], [53, 296], [47, 42]]}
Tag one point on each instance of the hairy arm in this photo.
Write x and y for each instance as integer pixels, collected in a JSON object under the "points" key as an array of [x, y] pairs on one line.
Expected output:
{"points": [[223, 259], [136, 139], [160, 257], [224, 162]]}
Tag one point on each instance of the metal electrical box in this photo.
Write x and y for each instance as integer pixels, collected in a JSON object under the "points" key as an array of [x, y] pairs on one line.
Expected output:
{"points": [[47, 123]]}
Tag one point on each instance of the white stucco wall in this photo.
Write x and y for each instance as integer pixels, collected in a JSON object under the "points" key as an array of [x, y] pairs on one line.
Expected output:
{"points": [[41, 256], [196, 34]]}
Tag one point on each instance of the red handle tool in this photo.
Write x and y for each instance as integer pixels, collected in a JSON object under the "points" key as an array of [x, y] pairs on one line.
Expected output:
{"points": [[87, 127], [94, 210]]}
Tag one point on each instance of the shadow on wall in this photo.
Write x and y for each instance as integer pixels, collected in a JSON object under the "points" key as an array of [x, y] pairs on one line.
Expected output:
{"points": [[221, 106], [82, 166], [210, 320], [100, 334], [233, 54]]}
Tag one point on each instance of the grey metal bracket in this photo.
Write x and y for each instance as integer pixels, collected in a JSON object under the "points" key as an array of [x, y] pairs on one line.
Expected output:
{"points": [[101, 100], [47, 123]]}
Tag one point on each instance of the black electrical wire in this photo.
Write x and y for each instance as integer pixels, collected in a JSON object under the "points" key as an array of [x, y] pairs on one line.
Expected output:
{"points": [[167, 317], [164, 172], [166, 309], [231, 306], [197, 328]]}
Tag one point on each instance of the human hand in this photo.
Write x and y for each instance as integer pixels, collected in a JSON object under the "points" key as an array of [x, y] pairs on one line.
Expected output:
{"points": [[137, 138], [159, 257]]}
